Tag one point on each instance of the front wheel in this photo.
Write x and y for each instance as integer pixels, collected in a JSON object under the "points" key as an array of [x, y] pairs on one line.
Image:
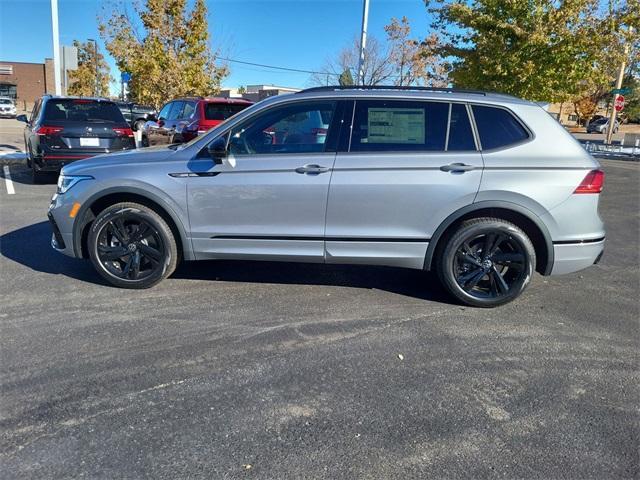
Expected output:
{"points": [[131, 246], [486, 262]]}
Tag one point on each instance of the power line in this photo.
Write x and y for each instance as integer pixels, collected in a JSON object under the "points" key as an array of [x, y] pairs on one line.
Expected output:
{"points": [[276, 67]]}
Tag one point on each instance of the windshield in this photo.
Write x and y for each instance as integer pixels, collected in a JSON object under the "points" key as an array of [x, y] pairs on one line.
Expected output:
{"points": [[5, 101], [81, 110]]}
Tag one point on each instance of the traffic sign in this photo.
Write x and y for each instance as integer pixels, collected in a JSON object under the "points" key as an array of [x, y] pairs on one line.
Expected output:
{"points": [[125, 77], [619, 103], [621, 91]]}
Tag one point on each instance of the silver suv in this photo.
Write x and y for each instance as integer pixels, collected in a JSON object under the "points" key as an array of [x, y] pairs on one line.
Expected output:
{"points": [[482, 188]]}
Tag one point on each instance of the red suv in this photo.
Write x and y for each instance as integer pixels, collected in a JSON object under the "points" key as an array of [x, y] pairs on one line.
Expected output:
{"points": [[182, 119]]}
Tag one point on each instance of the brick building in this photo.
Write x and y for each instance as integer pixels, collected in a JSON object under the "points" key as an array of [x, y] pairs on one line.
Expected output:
{"points": [[25, 82]]}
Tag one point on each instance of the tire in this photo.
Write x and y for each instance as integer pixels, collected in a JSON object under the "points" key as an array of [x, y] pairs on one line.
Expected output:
{"points": [[38, 177], [481, 280], [144, 140], [122, 256]]}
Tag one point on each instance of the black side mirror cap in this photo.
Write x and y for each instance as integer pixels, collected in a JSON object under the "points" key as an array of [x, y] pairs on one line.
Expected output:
{"points": [[22, 118], [218, 149]]}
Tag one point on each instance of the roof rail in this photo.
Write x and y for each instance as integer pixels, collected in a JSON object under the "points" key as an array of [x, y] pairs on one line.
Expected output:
{"points": [[391, 87]]}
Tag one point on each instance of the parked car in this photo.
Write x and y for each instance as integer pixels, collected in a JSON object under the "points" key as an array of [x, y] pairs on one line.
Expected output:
{"points": [[601, 125], [64, 129], [136, 115], [7, 108], [463, 183], [183, 119]]}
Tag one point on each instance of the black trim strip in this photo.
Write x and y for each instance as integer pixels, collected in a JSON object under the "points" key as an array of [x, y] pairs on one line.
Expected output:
{"points": [[320, 239], [194, 174], [579, 242]]}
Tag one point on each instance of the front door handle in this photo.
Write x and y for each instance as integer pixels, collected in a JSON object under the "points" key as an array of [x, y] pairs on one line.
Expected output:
{"points": [[457, 167], [312, 169]]}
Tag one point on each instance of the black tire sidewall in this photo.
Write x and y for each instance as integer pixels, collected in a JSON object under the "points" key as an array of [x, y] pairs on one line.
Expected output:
{"points": [[154, 220], [472, 229]]}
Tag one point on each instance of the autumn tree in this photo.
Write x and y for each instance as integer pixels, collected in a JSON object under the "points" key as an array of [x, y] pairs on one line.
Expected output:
{"points": [[165, 48], [93, 74], [545, 50], [376, 66], [414, 61]]}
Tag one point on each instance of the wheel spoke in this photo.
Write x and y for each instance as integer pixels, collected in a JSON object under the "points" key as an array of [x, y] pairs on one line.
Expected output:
{"points": [[111, 253], [473, 281], [135, 266], [140, 234], [127, 267], [499, 280], [119, 230], [468, 258], [151, 253]]}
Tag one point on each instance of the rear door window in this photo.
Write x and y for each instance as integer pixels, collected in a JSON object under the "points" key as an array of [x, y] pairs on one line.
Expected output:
{"points": [[216, 111], [460, 133], [382, 126], [497, 127], [81, 110]]}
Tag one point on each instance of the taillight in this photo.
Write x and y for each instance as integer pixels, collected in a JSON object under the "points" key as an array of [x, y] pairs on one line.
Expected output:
{"points": [[123, 132], [48, 130], [592, 183]]}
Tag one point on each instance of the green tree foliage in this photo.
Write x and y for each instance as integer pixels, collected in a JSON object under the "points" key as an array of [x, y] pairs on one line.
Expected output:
{"points": [[547, 50], [345, 78], [92, 76], [164, 46]]}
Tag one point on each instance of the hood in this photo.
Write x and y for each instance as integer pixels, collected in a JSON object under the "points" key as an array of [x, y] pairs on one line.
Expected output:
{"points": [[141, 155]]}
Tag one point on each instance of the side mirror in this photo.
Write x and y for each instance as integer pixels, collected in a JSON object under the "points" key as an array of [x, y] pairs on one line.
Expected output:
{"points": [[218, 150], [22, 118]]}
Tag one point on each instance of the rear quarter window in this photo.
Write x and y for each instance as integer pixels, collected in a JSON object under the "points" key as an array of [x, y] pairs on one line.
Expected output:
{"points": [[497, 127]]}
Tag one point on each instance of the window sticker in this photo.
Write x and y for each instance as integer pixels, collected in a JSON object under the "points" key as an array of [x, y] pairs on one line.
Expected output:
{"points": [[395, 125]]}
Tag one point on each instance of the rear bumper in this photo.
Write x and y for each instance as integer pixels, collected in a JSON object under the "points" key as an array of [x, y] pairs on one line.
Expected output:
{"points": [[571, 257]]}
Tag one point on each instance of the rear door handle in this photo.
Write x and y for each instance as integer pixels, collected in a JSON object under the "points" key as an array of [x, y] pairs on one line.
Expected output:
{"points": [[312, 169], [457, 167]]}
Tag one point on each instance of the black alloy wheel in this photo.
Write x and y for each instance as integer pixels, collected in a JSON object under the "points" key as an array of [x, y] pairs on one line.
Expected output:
{"points": [[487, 262], [131, 246]]}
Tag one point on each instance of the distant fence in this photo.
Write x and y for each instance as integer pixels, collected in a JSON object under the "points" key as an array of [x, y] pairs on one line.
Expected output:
{"points": [[628, 149]]}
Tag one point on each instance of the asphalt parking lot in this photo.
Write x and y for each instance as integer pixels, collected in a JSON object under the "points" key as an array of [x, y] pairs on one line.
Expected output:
{"points": [[261, 370]]}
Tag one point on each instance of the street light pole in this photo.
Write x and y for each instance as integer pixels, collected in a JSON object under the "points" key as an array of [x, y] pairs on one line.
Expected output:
{"points": [[96, 88], [56, 48], [363, 41]]}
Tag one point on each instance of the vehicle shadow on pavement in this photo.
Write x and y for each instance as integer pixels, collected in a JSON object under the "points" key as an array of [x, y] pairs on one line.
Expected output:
{"points": [[31, 246], [411, 283]]}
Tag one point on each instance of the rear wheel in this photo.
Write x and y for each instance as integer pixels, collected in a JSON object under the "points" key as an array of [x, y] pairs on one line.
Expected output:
{"points": [[38, 177], [138, 125], [131, 246], [486, 262]]}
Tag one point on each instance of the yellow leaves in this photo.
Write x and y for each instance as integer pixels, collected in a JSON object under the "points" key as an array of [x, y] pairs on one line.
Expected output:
{"points": [[171, 58]]}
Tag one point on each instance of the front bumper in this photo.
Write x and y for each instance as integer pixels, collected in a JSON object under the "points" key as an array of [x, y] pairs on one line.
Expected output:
{"points": [[571, 257], [62, 224]]}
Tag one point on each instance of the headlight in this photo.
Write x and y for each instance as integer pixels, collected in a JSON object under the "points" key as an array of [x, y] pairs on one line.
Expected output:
{"points": [[65, 182]]}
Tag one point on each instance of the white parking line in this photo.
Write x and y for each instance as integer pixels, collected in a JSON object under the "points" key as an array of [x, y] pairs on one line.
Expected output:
{"points": [[7, 180]]}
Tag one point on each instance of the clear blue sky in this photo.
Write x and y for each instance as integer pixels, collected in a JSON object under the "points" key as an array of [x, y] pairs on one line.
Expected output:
{"points": [[298, 34]]}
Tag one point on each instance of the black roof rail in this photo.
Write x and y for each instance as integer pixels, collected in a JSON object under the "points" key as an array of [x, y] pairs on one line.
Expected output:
{"points": [[330, 88]]}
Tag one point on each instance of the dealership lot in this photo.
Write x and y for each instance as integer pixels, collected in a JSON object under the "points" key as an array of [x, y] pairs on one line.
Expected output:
{"points": [[262, 370]]}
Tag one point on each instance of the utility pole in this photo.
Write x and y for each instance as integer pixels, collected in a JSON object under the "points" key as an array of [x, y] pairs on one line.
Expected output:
{"points": [[56, 47], [614, 112], [363, 41], [96, 88]]}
